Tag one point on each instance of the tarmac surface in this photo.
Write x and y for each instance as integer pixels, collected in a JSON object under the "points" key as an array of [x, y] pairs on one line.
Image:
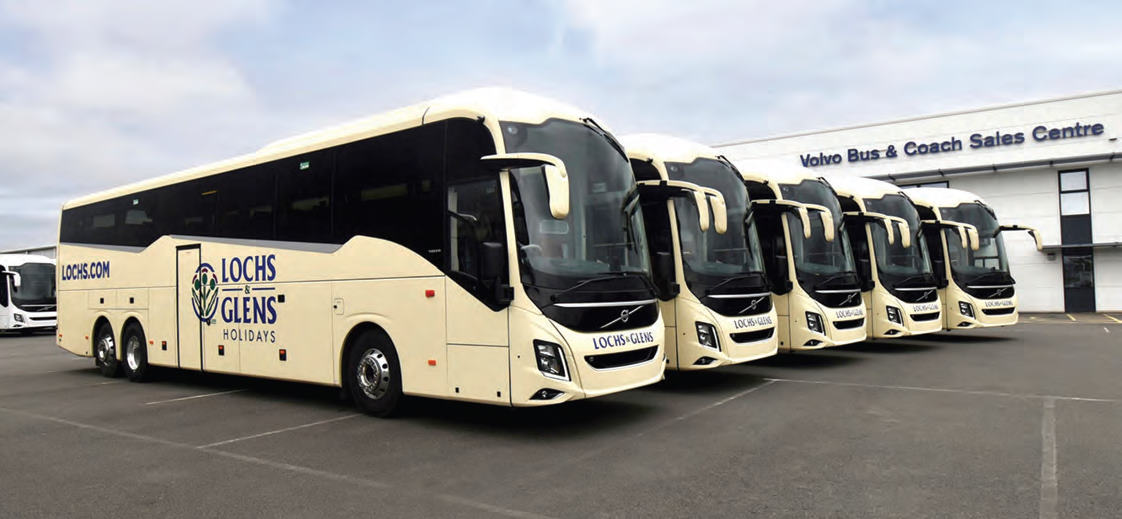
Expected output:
{"points": [[1009, 422]]}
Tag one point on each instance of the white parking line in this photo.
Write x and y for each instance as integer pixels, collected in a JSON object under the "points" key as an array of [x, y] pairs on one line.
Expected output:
{"points": [[278, 431], [307, 471], [206, 395], [570, 461], [767, 382], [1049, 489], [948, 390]]}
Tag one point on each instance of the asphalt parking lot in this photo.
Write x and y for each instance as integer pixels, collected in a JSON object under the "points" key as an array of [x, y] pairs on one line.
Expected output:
{"points": [[1014, 422]]}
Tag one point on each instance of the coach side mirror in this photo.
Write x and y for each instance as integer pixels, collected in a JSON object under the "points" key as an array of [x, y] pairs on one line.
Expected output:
{"points": [[775, 206], [553, 169], [720, 211], [492, 261], [666, 189], [1031, 230], [17, 281], [827, 220]]}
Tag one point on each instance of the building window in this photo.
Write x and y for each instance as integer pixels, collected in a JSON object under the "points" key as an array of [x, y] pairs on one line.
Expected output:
{"points": [[941, 183], [1075, 196]]}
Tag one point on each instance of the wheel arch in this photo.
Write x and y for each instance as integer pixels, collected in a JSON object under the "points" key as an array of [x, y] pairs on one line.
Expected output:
{"points": [[132, 319]]}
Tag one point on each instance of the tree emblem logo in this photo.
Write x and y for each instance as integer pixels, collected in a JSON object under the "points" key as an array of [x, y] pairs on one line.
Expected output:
{"points": [[204, 293]]}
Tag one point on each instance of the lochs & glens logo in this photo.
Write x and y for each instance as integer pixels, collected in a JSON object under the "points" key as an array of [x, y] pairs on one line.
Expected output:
{"points": [[204, 293]]}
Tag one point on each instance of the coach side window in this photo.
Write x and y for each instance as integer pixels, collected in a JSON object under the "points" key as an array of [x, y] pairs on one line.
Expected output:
{"points": [[388, 187], [189, 207], [102, 227], [474, 206], [245, 203], [304, 197], [138, 229]]}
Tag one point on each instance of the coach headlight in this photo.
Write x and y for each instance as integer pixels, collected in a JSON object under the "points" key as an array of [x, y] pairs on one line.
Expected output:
{"points": [[18, 317], [966, 309], [707, 336], [893, 315], [814, 322], [551, 360]]}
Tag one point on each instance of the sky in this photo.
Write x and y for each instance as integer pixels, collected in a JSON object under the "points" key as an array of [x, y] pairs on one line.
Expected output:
{"points": [[99, 93]]}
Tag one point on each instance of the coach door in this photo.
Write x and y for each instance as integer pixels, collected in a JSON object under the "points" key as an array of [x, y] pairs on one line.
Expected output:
{"points": [[189, 298]]}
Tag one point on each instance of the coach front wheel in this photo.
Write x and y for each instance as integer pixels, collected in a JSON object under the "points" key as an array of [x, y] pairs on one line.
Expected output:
{"points": [[374, 374]]}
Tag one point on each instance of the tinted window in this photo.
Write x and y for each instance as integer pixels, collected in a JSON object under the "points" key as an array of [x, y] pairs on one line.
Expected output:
{"points": [[189, 207], [475, 214], [388, 187], [101, 222], [303, 197], [138, 228], [246, 203]]}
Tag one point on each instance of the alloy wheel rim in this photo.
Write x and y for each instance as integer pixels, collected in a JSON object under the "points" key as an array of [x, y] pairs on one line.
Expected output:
{"points": [[131, 353], [105, 349], [372, 374]]}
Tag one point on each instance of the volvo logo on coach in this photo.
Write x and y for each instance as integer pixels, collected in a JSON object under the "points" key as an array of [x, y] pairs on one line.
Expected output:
{"points": [[624, 315]]}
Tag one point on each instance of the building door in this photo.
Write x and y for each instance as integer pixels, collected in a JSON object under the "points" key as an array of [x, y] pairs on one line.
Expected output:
{"points": [[1076, 236], [188, 264], [1079, 280]]}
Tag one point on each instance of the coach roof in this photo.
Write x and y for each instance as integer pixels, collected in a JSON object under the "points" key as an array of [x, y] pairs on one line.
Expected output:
{"points": [[774, 172], [862, 187], [942, 196], [646, 146], [491, 104]]}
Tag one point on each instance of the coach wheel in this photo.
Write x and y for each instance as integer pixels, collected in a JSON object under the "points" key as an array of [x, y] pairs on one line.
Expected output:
{"points": [[105, 352], [136, 354], [374, 374]]}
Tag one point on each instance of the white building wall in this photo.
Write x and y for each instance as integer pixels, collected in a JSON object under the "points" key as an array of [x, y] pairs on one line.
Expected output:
{"points": [[1108, 280], [1106, 227], [1106, 202]]}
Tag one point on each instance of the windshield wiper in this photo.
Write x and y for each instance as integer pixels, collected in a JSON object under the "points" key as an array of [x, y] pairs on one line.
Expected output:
{"points": [[604, 133], [914, 277], [730, 279], [1002, 276], [839, 275], [605, 277]]}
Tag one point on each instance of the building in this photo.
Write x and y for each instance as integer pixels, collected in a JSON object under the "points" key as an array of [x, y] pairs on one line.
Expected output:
{"points": [[1055, 165], [46, 250]]}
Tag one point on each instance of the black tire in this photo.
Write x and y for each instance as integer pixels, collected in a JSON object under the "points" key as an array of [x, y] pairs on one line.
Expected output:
{"points": [[135, 354], [373, 374], [105, 352]]}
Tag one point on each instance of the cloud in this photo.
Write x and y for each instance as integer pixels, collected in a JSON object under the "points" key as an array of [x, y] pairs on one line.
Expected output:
{"points": [[100, 94], [723, 71]]}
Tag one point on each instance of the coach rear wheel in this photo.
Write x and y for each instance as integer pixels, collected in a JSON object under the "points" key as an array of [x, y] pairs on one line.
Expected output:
{"points": [[374, 374], [136, 354], [105, 352]]}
